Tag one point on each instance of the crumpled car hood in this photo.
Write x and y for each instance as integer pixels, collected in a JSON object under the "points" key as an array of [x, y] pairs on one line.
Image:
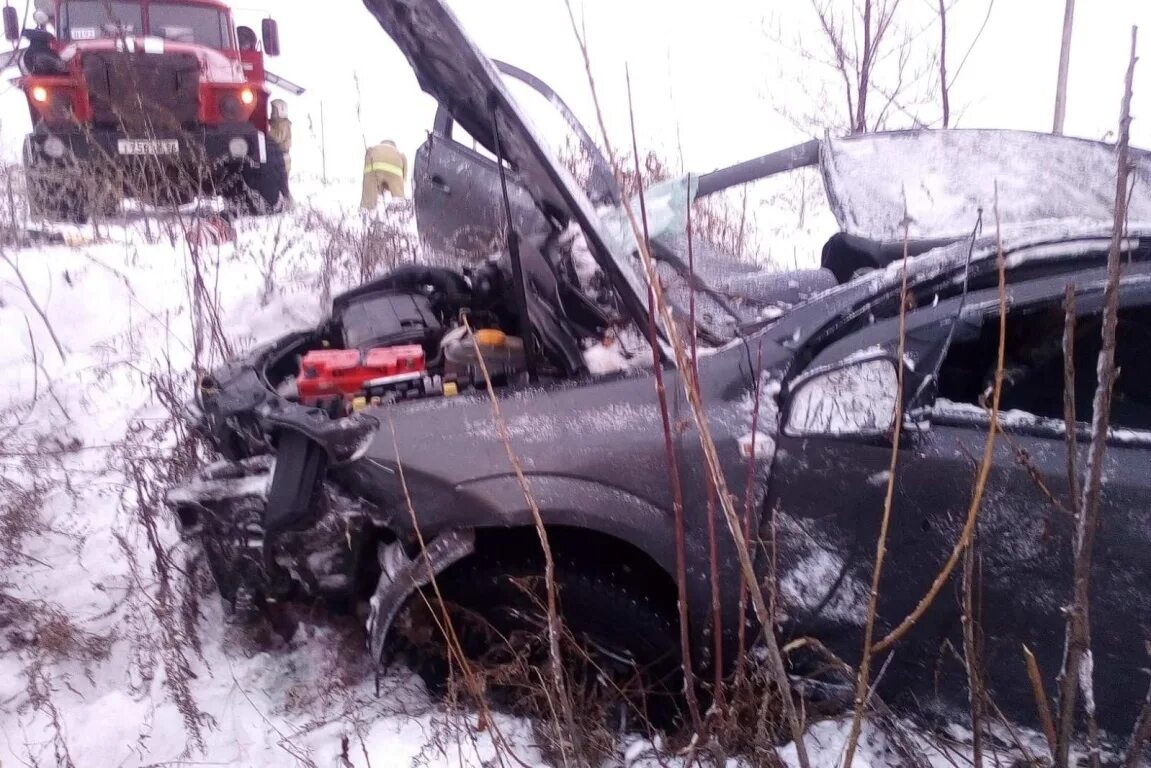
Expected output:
{"points": [[450, 67], [946, 176]]}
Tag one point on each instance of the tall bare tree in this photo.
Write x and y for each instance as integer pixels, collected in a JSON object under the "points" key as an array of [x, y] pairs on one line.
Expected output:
{"points": [[886, 61], [944, 89]]}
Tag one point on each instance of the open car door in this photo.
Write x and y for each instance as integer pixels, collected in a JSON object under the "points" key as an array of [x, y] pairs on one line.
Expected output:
{"points": [[457, 191]]}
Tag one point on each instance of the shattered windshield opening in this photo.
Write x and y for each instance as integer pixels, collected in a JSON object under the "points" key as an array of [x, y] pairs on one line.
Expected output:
{"points": [[666, 204]]}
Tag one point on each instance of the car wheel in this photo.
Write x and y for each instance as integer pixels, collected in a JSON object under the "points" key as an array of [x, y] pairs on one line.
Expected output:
{"points": [[620, 649]]}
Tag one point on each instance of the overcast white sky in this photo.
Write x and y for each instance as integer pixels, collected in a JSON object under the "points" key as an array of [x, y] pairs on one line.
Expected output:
{"points": [[711, 73], [711, 70]]}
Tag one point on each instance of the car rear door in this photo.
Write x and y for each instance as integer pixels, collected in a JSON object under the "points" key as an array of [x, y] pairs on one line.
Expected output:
{"points": [[826, 501]]}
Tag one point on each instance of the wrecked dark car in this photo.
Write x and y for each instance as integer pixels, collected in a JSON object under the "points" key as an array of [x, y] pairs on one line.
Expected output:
{"points": [[362, 457]]}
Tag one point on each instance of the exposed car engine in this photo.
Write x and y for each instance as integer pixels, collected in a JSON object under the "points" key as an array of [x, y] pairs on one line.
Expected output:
{"points": [[293, 413], [407, 336]]}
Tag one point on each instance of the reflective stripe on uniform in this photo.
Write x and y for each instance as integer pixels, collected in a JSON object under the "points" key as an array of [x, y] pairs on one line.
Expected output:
{"points": [[384, 168]]}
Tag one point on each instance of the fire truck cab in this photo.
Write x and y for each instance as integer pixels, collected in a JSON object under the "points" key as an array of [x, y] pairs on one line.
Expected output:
{"points": [[157, 100]]}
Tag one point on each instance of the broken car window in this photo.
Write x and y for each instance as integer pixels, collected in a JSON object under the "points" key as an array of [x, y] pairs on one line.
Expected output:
{"points": [[1034, 365]]}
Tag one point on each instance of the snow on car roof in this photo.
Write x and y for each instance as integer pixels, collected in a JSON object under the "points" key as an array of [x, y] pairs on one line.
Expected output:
{"points": [[946, 176]]}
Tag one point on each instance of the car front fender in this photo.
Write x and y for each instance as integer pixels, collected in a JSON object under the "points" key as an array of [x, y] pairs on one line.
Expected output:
{"points": [[500, 502]]}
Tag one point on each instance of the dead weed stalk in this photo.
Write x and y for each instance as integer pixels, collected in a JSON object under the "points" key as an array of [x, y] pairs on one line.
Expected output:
{"points": [[699, 416], [1077, 673], [863, 680], [672, 461], [554, 630]]}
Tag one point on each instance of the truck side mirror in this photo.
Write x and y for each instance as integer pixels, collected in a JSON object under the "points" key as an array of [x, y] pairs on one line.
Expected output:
{"points": [[11, 24], [270, 31]]}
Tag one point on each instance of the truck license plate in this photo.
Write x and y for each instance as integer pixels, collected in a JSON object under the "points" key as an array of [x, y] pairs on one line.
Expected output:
{"points": [[148, 146]]}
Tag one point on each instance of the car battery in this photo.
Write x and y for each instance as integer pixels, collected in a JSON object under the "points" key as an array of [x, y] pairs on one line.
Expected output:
{"points": [[345, 373]]}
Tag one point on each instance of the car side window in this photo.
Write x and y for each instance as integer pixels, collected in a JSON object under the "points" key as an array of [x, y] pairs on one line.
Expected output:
{"points": [[465, 139], [1033, 380]]}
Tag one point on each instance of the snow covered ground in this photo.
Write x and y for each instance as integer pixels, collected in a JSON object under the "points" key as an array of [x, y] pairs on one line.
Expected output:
{"points": [[102, 661], [97, 660], [96, 663]]}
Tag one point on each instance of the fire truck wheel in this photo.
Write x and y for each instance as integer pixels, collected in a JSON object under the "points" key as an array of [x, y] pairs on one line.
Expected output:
{"points": [[55, 201], [259, 189]]}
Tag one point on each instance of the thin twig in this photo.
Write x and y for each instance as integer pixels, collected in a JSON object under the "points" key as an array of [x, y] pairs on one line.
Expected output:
{"points": [[863, 679], [670, 453], [944, 90], [35, 304], [984, 467], [35, 362], [1077, 673], [1042, 704], [1069, 397], [972, 653], [444, 619], [748, 495], [553, 622]]}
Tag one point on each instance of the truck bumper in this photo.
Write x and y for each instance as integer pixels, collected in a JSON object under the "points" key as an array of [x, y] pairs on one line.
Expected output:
{"points": [[207, 147]]}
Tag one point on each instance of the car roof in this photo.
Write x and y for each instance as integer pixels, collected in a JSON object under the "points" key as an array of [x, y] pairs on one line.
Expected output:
{"points": [[1040, 247], [936, 182]]}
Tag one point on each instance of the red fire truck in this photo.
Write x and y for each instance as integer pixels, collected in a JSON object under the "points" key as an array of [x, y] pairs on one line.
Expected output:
{"points": [[157, 100]]}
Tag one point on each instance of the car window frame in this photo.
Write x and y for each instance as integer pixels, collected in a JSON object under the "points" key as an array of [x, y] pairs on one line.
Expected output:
{"points": [[1135, 291], [979, 306], [605, 189]]}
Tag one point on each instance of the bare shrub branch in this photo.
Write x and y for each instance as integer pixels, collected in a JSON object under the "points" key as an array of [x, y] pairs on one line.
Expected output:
{"points": [[863, 679], [554, 629], [699, 416], [670, 454], [1042, 703], [1077, 674]]}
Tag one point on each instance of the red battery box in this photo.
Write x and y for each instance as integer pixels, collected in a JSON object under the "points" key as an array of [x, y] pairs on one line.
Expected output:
{"points": [[327, 373]]}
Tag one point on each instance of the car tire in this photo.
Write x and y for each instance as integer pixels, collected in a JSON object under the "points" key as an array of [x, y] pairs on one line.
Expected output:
{"points": [[495, 604]]}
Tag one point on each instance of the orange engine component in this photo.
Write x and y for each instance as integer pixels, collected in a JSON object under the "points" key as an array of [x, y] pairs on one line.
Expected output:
{"points": [[327, 373]]}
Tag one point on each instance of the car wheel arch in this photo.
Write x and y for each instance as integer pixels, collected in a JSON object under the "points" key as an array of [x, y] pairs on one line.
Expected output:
{"points": [[577, 547], [612, 525]]}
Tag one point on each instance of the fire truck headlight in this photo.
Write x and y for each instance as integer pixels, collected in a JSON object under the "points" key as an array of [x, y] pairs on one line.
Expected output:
{"points": [[54, 147], [238, 147], [247, 97], [40, 94]]}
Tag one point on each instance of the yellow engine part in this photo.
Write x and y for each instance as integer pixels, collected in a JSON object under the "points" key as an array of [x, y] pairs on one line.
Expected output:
{"points": [[491, 337]]}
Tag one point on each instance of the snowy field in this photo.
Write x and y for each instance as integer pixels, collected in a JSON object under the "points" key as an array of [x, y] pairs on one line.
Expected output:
{"points": [[103, 661], [95, 664]]}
